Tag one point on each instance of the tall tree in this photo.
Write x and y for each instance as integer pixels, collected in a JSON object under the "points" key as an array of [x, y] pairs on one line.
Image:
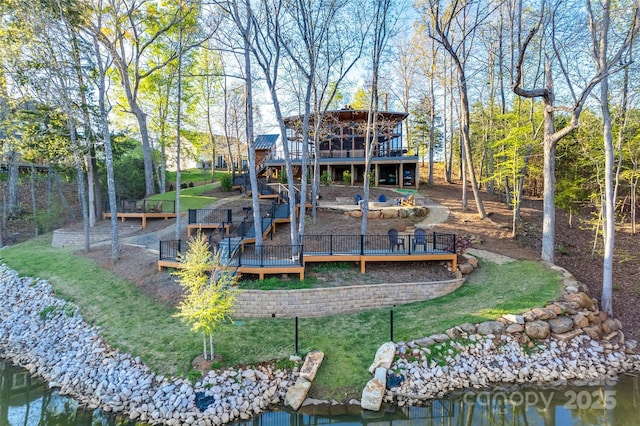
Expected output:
{"points": [[547, 21], [383, 29], [129, 32], [440, 23], [600, 25]]}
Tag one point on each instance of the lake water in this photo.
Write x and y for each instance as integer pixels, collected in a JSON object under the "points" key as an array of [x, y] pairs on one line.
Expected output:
{"points": [[28, 402]]}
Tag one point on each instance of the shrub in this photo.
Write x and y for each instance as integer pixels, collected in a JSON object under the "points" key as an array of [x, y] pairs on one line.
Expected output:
{"points": [[226, 182], [325, 178], [282, 178], [346, 177], [190, 184]]}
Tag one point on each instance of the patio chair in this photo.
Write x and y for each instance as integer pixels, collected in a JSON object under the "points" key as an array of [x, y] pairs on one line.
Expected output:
{"points": [[382, 198], [358, 199], [157, 208], [394, 241], [408, 201], [420, 239]]}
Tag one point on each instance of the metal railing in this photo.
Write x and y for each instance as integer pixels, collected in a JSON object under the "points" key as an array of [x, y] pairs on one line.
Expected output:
{"points": [[378, 244], [145, 206], [207, 216], [272, 256], [169, 249]]}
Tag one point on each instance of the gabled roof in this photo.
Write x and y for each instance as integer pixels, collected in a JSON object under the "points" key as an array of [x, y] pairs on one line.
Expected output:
{"points": [[265, 141]]}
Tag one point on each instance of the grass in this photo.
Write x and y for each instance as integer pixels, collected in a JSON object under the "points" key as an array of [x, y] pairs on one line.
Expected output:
{"points": [[190, 198], [197, 176], [144, 327], [275, 283]]}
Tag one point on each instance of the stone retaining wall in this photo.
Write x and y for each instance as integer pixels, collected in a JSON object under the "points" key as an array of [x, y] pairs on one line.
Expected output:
{"points": [[337, 300], [64, 238]]}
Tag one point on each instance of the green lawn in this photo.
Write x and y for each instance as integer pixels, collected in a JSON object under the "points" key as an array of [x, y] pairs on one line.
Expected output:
{"points": [[146, 328]]}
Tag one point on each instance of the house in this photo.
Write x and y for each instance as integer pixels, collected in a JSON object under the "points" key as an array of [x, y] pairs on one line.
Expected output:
{"points": [[340, 146]]}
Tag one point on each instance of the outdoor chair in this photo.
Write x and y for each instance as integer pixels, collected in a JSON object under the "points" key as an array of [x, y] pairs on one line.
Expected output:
{"points": [[408, 201], [382, 198], [157, 208], [358, 199], [420, 239], [394, 241]]}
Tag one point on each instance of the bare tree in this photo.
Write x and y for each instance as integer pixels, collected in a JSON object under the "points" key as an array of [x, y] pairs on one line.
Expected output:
{"points": [[600, 25], [552, 135], [443, 20]]}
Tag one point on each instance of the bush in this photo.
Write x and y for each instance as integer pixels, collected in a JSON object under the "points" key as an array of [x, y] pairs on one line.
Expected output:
{"points": [[283, 177], [226, 182], [325, 178], [346, 177], [190, 184]]}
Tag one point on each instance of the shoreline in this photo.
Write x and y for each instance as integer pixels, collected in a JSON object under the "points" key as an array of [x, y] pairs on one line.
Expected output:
{"points": [[48, 337]]}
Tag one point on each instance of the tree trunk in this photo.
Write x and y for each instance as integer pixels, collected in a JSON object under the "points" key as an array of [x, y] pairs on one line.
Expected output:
{"points": [[34, 205], [108, 151]]}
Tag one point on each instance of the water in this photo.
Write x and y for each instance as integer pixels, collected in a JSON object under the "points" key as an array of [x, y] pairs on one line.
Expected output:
{"points": [[28, 402]]}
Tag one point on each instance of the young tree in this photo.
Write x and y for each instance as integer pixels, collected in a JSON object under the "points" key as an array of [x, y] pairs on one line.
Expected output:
{"points": [[209, 297]]}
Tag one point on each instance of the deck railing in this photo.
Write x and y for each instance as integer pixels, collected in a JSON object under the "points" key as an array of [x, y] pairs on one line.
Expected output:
{"points": [[271, 256], [169, 249], [378, 244], [145, 206], [207, 216]]}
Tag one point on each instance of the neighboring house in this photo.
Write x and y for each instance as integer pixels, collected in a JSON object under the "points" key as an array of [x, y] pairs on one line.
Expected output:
{"points": [[265, 149], [341, 147]]}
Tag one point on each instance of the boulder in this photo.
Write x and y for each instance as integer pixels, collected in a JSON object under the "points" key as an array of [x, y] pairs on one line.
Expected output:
{"points": [[311, 365], [389, 213], [470, 260], [580, 320], [465, 268], [513, 319], [468, 328], [372, 395], [581, 299], [594, 331], [491, 327], [297, 393], [610, 325], [543, 313], [561, 324], [515, 328], [565, 337], [384, 356], [537, 329]]}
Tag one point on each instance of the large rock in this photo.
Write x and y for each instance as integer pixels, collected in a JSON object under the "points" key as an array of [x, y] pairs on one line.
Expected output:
{"points": [[543, 313], [384, 356], [581, 299], [537, 329], [372, 395], [580, 320], [491, 327], [465, 268], [297, 393], [561, 325], [311, 365]]}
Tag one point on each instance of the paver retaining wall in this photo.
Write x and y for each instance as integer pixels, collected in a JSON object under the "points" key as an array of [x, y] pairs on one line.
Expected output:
{"points": [[336, 300]]}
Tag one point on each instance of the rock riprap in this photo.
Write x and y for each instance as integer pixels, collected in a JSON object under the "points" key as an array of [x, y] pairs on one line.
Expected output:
{"points": [[564, 341], [49, 338]]}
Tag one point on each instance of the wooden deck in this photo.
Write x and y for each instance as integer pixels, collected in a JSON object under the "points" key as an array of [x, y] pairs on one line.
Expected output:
{"points": [[261, 271], [141, 215]]}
